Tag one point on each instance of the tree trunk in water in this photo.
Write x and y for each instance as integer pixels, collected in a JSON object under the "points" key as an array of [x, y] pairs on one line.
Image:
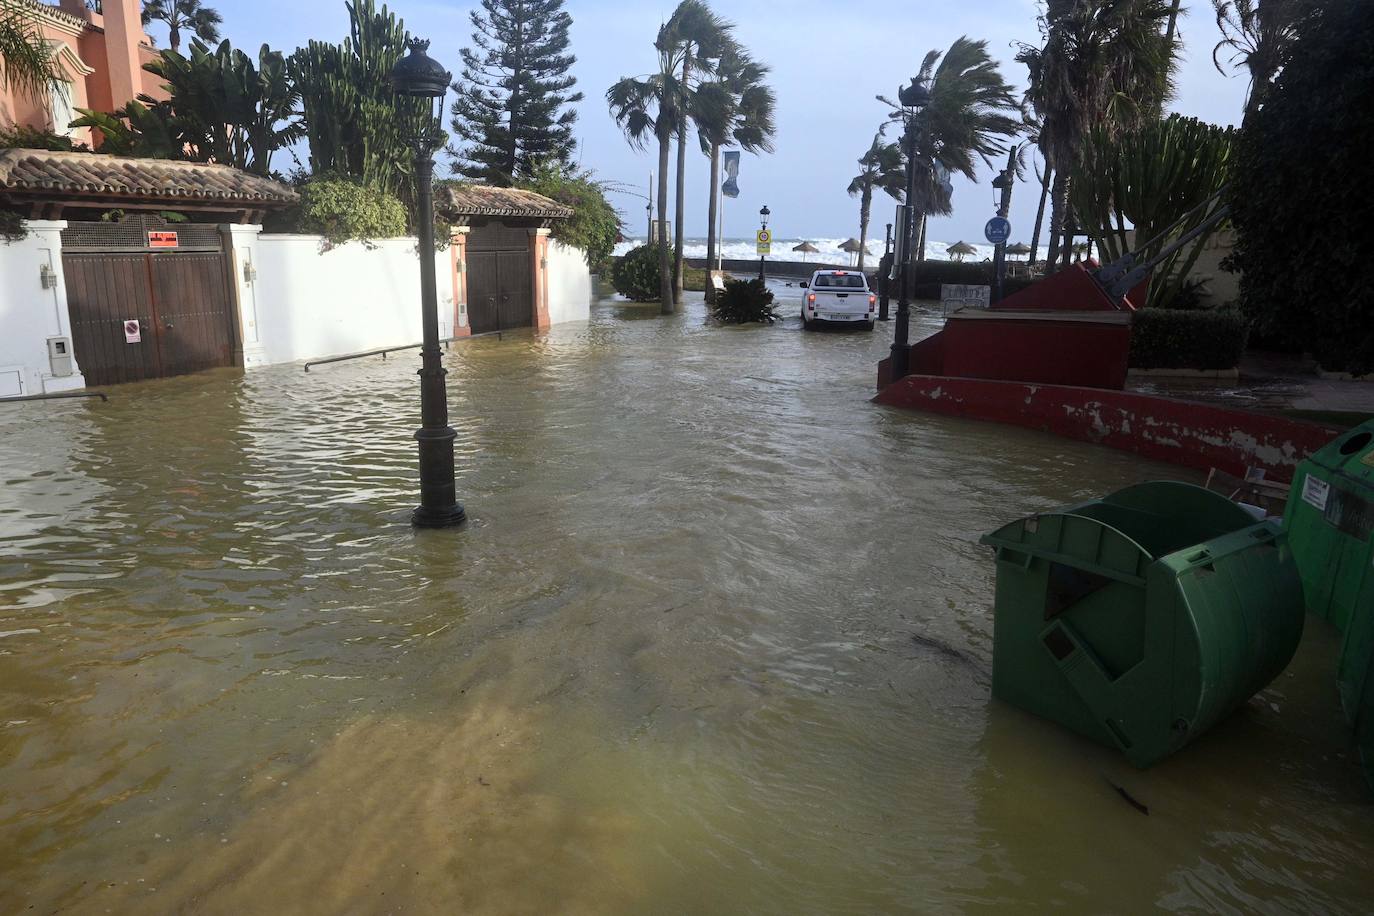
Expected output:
{"points": [[865, 208], [1059, 195], [681, 187], [1040, 214], [665, 264], [713, 209]]}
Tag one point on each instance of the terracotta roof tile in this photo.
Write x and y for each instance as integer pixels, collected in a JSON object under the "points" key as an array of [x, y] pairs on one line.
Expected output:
{"points": [[483, 200], [33, 172]]}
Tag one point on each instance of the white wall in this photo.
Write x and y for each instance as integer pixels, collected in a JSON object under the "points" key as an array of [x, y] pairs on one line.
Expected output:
{"points": [[307, 302], [570, 284], [30, 314]]}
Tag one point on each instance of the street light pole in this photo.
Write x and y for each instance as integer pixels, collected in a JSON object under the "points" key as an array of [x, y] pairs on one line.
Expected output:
{"points": [[763, 226], [884, 272], [417, 75], [914, 99]]}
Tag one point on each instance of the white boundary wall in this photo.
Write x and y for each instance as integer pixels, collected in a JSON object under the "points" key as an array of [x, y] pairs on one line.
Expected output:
{"points": [[570, 284], [30, 314]]}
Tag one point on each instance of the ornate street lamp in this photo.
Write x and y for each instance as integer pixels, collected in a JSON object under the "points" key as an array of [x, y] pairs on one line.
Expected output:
{"points": [[914, 99], [419, 76], [763, 224]]}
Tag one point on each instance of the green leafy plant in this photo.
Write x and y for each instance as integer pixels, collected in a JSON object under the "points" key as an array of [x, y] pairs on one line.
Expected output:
{"points": [[1307, 278], [594, 226], [637, 275], [1178, 339], [22, 136], [744, 301], [189, 15], [1150, 177], [343, 210], [27, 58]]}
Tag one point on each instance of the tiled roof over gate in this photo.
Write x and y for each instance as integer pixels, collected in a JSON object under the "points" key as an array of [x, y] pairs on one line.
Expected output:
{"points": [[73, 176], [482, 200]]}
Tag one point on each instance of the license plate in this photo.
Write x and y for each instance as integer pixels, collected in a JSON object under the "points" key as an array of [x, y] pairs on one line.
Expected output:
{"points": [[839, 317]]}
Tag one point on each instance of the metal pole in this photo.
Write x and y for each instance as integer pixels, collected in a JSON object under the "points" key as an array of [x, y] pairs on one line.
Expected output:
{"points": [[884, 284], [649, 237], [901, 349], [439, 507], [762, 226]]}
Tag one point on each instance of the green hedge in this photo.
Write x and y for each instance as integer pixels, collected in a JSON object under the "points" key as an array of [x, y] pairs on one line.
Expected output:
{"points": [[1178, 339], [342, 210]]}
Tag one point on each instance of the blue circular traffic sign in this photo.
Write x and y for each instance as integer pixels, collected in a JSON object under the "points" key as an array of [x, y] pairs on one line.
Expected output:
{"points": [[998, 230]]}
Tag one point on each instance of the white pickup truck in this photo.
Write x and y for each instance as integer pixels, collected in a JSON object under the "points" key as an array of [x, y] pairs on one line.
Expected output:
{"points": [[839, 296]]}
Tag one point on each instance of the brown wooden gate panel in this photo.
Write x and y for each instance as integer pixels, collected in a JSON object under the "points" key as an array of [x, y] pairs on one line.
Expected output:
{"points": [[103, 291], [484, 313], [517, 306], [193, 309], [181, 301]]}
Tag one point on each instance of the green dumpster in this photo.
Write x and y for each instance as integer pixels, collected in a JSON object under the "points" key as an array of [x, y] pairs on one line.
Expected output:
{"points": [[1330, 526], [1143, 618]]}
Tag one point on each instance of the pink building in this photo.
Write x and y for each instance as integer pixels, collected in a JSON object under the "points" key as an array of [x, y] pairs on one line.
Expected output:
{"points": [[100, 54]]}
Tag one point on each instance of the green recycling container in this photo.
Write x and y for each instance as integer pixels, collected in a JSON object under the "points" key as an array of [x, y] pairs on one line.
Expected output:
{"points": [[1330, 527], [1143, 618]]}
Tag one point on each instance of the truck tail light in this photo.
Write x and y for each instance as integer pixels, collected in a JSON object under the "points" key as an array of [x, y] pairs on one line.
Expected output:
{"points": [[811, 297], [872, 300]]}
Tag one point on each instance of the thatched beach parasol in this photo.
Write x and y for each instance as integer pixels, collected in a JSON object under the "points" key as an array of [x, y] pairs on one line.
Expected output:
{"points": [[805, 248], [960, 250], [1020, 248], [851, 246]]}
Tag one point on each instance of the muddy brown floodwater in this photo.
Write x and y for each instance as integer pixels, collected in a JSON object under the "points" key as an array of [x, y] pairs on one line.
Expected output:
{"points": [[716, 640]]}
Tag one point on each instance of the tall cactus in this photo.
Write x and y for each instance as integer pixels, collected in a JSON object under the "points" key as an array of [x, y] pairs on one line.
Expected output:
{"points": [[1149, 178], [354, 124]]}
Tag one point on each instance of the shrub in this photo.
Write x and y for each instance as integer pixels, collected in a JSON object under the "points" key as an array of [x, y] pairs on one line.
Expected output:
{"points": [[20, 136], [342, 211], [1178, 339], [636, 275], [1307, 279], [744, 301]]}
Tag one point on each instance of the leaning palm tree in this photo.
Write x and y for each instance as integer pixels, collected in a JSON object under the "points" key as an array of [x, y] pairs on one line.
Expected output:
{"points": [[1104, 62], [646, 107], [26, 59], [694, 38], [881, 168], [1259, 38], [188, 15], [970, 116], [736, 106]]}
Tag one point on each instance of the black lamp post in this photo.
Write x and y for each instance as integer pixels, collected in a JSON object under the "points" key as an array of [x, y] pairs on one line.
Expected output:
{"points": [[914, 99], [763, 224], [419, 76]]}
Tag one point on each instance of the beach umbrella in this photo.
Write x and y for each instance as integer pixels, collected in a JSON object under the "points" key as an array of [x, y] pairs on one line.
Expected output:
{"points": [[851, 246], [1020, 248], [960, 250], [805, 248]]}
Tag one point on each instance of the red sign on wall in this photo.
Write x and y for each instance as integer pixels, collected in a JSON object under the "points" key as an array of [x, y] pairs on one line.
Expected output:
{"points": [[162, 239]]}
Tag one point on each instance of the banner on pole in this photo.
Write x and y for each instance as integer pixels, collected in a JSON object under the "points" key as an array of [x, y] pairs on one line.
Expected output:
{"points": [[731, 186]]}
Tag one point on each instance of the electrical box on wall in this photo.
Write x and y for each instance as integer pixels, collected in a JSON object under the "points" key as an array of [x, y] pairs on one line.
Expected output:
{"points": [[60, 355]]}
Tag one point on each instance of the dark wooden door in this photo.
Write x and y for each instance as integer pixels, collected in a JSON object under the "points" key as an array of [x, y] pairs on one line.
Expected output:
{"points": [[499, 279], [196, 330], [104, 291], [180, 300], [484, 291]]}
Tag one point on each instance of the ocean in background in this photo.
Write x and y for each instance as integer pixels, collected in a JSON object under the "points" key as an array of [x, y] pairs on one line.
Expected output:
{"points": [[743, 250]]}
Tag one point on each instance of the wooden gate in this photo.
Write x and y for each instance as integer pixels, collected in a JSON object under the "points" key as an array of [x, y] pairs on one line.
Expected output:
{"points": [[500, 288], [180, 299]]}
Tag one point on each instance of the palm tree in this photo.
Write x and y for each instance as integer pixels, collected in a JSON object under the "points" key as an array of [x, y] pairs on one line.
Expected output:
{"points": [[736, 106], [882, 168], [1102, 62], [26, 59], [1259, 39], [646, 107], [694, 38], [970, 116], [202, 21]]}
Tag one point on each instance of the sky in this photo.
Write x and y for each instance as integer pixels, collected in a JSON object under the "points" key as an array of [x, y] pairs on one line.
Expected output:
{"points": [[828, 62]]}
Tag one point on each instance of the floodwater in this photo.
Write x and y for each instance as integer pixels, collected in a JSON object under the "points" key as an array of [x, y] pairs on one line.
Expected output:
{"points": [[716, 640]]}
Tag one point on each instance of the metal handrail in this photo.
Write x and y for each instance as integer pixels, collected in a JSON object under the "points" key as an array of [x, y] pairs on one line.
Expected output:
{"points": [[383, 351], [58, 395]]}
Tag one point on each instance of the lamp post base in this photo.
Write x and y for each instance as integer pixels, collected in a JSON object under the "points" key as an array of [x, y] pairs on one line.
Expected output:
{"points": [[446, 517]]}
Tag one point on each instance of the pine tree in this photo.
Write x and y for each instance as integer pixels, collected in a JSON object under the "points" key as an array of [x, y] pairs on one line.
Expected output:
{"points": [[512, 110]]}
